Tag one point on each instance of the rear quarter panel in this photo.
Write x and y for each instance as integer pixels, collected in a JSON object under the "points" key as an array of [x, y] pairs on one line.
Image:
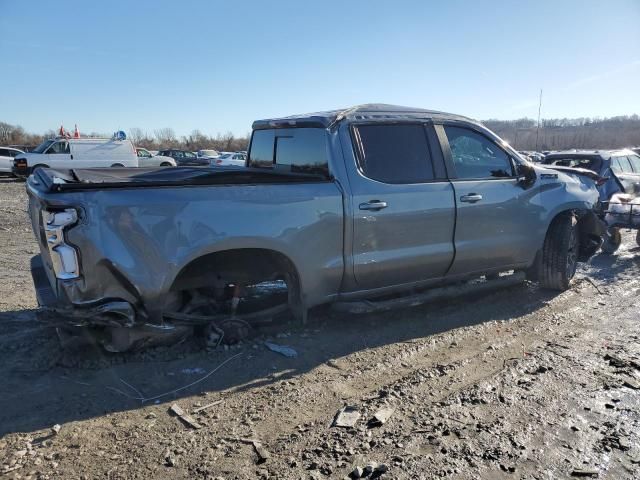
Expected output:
{"points": [[145, 236]]}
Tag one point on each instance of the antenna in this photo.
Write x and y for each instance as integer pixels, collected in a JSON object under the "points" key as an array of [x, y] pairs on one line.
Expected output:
{"points": [[538, 128]]}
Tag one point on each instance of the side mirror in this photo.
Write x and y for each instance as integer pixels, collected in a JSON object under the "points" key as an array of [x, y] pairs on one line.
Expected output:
{"points": [[526, 174]]}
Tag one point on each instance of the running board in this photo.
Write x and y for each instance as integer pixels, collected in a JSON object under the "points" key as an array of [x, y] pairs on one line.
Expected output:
{"points": [[431, 295]]}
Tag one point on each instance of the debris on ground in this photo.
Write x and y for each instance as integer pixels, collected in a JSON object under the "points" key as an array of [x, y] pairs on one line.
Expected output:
{"points": [[263, 454], [381, 416], [585, 472], [184, 416], [208, 405], [282, 349], [347, 417]]}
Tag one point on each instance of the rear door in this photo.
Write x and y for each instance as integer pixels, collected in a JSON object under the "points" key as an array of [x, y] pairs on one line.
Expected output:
{"points": [[402, 203], [496, 222], [6, 160]]}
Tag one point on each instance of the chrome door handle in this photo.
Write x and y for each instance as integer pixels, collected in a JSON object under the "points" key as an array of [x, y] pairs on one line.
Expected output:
{"points": [[373, 205], [471, 198]]}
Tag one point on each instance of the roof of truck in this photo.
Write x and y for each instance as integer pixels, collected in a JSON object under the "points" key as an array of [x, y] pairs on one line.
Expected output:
{"points": [[369, 111]]}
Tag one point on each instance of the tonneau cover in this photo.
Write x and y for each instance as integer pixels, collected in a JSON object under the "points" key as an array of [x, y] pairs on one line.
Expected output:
{"points": [[97, 178]]}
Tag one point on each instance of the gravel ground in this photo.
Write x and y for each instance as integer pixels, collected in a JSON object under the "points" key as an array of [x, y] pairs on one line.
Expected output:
{"points": [[518, 383]]}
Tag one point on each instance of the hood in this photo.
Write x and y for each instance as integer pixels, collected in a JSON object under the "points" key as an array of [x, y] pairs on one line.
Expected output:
{"points": [[578, 182]]}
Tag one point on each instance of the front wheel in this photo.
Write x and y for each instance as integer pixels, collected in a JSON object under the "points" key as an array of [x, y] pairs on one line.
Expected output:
{"points": [[612, 240], [559, 254]]}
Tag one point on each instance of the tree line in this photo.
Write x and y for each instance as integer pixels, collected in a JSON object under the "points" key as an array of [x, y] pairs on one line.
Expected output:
{"points": [[566, 133], [159, 139], [522, 134]]}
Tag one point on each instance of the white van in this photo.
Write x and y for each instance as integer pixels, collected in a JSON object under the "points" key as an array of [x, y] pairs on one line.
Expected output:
{"points": [[77, 153]]}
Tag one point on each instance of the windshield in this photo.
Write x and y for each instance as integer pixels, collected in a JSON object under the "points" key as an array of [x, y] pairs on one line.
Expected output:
{"points": [[226, 155], [43, 146]]}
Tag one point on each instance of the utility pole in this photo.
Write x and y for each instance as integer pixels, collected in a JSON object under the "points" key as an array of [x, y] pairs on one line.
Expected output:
{"points": [[538, 128]]}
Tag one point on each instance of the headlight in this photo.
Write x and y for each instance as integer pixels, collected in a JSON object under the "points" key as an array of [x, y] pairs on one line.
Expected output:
{"points": [[63, 256]]}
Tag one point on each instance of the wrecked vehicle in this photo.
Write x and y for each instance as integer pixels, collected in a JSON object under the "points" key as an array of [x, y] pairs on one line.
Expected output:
{"points": [[340, 206], [619, 186]]}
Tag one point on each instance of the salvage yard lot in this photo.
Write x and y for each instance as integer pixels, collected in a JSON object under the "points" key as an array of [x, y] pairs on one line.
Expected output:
{"points": [[519, 383]]}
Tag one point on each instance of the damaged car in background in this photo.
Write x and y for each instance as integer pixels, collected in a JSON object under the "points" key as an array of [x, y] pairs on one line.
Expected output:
{"points": [[365, 207]]}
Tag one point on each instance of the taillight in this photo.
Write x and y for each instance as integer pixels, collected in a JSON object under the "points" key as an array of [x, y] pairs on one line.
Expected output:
{"points": [[601, 181], [218, 162], [63, 256]]}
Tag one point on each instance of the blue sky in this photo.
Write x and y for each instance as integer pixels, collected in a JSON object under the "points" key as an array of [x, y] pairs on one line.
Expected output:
{"points": [[216, 66]]}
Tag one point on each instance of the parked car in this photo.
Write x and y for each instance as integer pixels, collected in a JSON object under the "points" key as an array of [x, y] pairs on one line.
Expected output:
{"points": [[147, 159], [184, 158], [208, 154], [7, 154], [620, 168], [620, 173], [67, 153], [337, 206], [237, 159]]}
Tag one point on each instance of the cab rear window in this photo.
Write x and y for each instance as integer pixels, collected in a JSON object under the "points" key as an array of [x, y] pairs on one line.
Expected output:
{"points": [[297, 150]]}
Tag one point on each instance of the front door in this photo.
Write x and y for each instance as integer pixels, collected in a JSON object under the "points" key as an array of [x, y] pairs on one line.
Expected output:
{"points": [[403, 206], [59, 155], [497, 224]]}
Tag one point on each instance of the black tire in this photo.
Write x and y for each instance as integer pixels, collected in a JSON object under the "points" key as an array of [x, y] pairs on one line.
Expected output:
{"points": [[165, 164], [117, 165], [560, 253], [612, 240]]}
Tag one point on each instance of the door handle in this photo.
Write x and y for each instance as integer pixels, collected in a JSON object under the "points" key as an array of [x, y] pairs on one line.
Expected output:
{"points": [[72, 156], [471, 198], [373, 205]]}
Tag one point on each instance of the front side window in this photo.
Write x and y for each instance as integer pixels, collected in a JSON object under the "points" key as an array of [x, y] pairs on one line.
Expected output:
{"points": [[43, 146], [397, 153], [189, 155], [4, 153], [59, 147], [475, 156]]}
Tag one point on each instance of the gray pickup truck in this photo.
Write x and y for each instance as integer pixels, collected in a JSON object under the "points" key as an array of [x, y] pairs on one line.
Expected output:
{"points": [[338, 206]]}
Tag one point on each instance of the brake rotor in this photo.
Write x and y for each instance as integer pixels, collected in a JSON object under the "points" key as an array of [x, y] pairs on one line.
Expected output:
{"points": [[235, 330]]}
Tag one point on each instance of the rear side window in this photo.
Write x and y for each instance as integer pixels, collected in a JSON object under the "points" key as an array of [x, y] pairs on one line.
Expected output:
{"points": [[621, 164], [298, 150], [475, 156], [635, 162], [394, 153], [4, 153], [261, 151]]}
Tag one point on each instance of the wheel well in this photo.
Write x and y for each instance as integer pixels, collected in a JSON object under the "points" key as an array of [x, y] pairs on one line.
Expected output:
{"points": [[165, 164], [590, 231], [40, 165], [117, 165], [240, 266]]}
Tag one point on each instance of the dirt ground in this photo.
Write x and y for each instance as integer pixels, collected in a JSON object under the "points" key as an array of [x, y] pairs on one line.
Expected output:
{"points": [[520, 383]]}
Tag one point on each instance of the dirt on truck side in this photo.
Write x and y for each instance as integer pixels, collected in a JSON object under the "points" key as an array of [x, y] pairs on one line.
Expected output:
{"points": [[519, 383]]}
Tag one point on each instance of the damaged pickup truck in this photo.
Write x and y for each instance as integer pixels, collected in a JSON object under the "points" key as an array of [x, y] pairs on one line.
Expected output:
{"points": [[372, 202]]}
